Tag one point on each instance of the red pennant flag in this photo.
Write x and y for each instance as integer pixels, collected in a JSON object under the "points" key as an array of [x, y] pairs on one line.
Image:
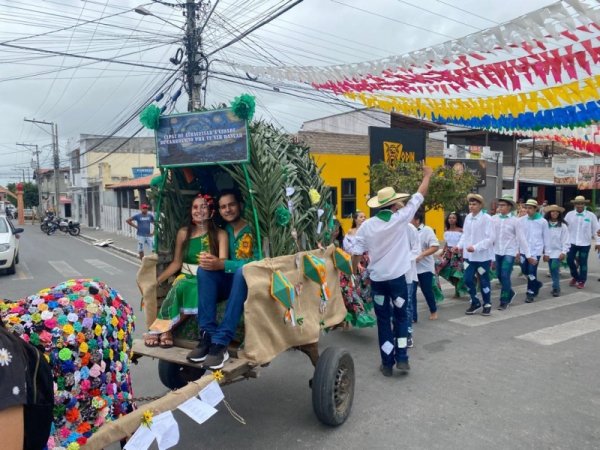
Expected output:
{"points": [[583, 62], [570, 35], [567, 62], [540, 70]]}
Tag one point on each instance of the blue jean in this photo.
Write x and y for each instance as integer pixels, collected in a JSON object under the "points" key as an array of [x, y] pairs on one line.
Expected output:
{"points": [[554, 266], [411, 306], [212, 286], [530, 271], [392, 320], [581, 252], [504, 268], [426, 285], [483, 269]]}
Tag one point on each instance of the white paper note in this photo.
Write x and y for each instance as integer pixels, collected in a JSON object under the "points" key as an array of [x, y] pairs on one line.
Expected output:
{"points": [[165, 429], [387, 347], [481, 270], [197, 410], [398, 302], [141, 439], [212, 394]]}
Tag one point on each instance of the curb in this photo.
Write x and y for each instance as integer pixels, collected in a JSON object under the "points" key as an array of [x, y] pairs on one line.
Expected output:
{"points": [[119, 249]]}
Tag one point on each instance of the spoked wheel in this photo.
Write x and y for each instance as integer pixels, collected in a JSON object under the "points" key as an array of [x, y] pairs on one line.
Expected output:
{"points": [[333, 386], [74, 231], [176, 376]]}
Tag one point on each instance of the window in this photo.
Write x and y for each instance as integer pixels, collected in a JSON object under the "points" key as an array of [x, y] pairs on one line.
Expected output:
{"points": [[333, 197], [348, 196]]}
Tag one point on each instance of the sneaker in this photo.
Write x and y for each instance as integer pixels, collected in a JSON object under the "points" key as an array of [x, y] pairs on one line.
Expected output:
{"points": [[555, 292], [529, 299], [503, 306], [512, 295], [487, 310], [580, 285], [410, 343], [217, 355], [387, 371], [403, 366], [473, 309], [573, 282], [201, 351]]}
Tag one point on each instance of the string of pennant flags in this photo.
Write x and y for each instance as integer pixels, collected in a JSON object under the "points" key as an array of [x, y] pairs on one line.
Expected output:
{"points": [[544, 63]]}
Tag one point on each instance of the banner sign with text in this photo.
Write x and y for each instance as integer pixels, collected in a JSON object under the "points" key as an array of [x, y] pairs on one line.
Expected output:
{"points": [[396, 145], [202, 138]]}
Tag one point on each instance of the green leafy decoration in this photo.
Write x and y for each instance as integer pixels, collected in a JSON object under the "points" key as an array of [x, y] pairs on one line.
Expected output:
{"points": [[282, 216], [149, 116], [244, 106]]}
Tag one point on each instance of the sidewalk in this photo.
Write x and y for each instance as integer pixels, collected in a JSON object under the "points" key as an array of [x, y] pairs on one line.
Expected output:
{"points": [[120, 243]]}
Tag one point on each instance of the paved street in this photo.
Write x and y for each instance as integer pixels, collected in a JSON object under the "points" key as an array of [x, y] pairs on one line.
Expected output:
{"points": [[520, 379]]}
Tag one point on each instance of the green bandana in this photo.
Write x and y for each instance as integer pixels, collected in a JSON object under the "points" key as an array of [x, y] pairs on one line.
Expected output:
{"points": [[504, 216], [536, 216], [384, 215]]}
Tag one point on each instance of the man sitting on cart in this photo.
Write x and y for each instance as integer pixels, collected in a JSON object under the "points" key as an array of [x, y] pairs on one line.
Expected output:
{"points": [[219, 279]]}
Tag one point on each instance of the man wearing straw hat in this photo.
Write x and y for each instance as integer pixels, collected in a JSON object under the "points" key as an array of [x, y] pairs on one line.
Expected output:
{"points": [[476, 244], [583, 227], [508, 241], [535, 229], [385, 237]]}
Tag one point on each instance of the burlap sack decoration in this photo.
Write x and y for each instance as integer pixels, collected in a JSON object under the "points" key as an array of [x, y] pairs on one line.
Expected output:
{"points": [[146, 281], [266, 334]]}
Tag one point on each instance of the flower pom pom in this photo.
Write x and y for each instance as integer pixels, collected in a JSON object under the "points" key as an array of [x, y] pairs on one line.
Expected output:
{"points": [[244, 106], [315, 197], [149, 116], [282, 216]]}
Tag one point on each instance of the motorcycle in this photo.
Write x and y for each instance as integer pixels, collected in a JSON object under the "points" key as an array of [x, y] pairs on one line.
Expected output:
{"points": [[48, 218], [66, 226]]}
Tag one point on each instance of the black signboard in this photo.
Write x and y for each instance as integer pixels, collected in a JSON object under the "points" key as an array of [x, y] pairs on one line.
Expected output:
{"points": [[201, 138], [394, 145], [476, 166]]}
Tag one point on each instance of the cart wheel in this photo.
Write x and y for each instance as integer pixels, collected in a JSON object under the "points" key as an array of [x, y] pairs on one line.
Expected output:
{"points": [[175, 376], [333, 386]]}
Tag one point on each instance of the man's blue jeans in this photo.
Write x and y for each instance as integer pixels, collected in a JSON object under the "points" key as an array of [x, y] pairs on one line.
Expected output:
{"points": [[212, 286], [504, 268], [530, 271], [390, 302], [426, 285], [483, 269], [581, 252], [554, 266]]}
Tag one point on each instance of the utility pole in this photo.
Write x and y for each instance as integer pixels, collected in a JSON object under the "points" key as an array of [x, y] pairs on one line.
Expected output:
{"points": [[191, 47], [56, 159], [37, 172]]}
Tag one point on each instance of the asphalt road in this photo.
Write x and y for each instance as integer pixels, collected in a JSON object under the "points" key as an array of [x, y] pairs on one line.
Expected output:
{"points": [[526, 378]]}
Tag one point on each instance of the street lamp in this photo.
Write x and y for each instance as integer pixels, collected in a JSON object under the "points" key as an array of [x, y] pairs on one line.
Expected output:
{"points": [[145, 12]]}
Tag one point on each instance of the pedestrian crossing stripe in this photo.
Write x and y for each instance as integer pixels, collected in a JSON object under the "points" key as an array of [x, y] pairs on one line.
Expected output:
{"points": [[64, 269], [564, 331], [103, 266], [525, 309]]}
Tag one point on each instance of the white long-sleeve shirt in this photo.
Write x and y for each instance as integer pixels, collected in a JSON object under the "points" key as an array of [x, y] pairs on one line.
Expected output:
{"points": [[477, 232], [557, 240], [415, 250], [387, 241], [535, 230], [508, 236], [582, 227]]}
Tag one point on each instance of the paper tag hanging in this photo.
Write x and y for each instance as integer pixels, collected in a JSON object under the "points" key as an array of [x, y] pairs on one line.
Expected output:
{"points": [[289, 191], [319, 227]]}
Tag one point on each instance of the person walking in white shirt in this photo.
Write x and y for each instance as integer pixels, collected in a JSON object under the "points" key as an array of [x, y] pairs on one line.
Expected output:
{"points": [[411, 281], [476, 245], [385, 238], [557, 244], [535, 228], [428, 245], [508, 239], [583, 227]]}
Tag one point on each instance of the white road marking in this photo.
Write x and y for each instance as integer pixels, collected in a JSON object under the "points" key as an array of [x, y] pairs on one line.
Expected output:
{"points": [[64, 269], [564, 331], [23, 272], [105, 267], [525, 309]]}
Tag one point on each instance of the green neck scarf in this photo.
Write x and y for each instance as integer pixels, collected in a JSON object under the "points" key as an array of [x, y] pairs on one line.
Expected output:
{"points": [[385, 215]]}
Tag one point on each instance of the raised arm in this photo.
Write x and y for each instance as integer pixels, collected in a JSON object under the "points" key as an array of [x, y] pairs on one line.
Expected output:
{"points": [[424, 187]]}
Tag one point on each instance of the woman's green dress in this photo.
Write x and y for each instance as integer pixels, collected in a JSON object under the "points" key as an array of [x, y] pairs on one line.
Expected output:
{"points": [[182, 298]]}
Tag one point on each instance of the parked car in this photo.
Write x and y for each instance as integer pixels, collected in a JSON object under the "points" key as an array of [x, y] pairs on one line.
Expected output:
{"points": [[9, 245]]}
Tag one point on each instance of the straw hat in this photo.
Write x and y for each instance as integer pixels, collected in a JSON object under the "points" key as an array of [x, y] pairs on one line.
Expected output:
{"points": [[385, 197], [476, 197], [551, 208], [507, 199], [580, 199], [532, 202]]}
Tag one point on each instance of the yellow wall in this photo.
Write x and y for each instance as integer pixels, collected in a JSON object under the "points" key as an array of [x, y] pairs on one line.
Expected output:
{"points": [[120, 163], [338, 166], [346, 166]]}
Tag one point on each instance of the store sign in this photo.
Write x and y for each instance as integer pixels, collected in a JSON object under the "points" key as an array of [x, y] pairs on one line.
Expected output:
{"points": [[140, 172], [202, 138], [565, 173]]}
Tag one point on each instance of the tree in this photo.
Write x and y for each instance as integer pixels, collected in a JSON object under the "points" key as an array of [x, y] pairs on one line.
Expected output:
{"points": [[30, 193], [448, 189]]}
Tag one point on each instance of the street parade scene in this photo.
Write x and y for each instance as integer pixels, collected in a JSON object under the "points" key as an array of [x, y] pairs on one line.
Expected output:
{"points": [[299, 224]]}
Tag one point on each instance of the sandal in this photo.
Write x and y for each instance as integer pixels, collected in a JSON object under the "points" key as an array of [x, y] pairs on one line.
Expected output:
{"points": [[151, 340], [166, 340]]}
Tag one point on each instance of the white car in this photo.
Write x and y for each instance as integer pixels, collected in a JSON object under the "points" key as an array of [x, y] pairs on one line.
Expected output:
{"points": [[9, 245]]}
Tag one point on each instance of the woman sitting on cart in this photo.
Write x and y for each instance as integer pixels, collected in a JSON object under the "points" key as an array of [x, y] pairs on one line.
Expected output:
{"points": [[199, 236]]}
